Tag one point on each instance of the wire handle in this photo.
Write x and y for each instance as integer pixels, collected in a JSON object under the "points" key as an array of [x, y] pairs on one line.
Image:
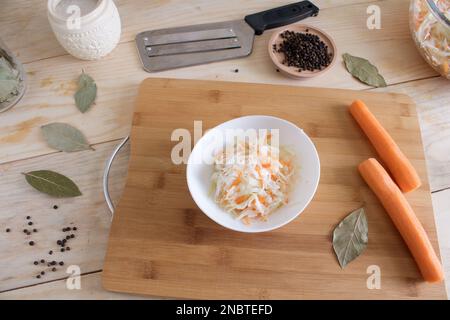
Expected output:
{"points": [[106, 175]]}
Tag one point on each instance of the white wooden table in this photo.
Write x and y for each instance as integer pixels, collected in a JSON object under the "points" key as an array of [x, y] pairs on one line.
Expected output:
{"points": [[52, 74]]}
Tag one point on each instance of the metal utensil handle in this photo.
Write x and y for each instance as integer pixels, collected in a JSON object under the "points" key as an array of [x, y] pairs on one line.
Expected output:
{"points": [[106, 175]]}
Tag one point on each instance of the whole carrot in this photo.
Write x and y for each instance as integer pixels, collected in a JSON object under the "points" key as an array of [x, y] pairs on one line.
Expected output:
{"points": [[399, 166], [404, 219]]}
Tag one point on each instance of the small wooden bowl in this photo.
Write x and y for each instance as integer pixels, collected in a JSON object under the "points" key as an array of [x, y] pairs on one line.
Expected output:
{"points": [[293, 72]]}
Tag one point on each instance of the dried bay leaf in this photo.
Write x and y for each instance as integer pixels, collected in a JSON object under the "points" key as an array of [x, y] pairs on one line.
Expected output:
{"points": [[363, 70], [86, 92], [52, 183], [63, 137], [350, 237], [9, 81]]}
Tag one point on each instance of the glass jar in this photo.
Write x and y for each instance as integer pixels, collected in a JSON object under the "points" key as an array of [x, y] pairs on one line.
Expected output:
{"points": [[430, 28], [12, 79]]}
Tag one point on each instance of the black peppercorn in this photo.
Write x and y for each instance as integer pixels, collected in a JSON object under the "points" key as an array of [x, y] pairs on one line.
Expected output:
{"points": [[25, 231], [42, 261], [304, 51], [61, 263], [53, 269], [55, 207], [34, 230], [28, 217], [38, 276], [42, 272], [35, 263], [50, 252], [67, 237], [31, 243], [8, 230], [62, 250], [30, 223], [74, 229], [67, 248], [72, 236], [58, 242]]}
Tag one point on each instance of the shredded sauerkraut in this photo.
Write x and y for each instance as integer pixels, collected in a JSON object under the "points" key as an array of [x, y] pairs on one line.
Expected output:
{"points": [[432, 35], [251, 180]]}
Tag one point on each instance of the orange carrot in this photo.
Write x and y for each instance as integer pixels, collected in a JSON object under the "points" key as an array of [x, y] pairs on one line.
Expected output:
{"points": [[285, 163], [262, 199], [398, 165], [241, 199], [236, 181], [258, 170], [404, 219]]}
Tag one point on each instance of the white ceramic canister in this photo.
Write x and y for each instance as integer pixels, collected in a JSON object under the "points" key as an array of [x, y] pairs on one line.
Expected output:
{"points": [[87, 29]]}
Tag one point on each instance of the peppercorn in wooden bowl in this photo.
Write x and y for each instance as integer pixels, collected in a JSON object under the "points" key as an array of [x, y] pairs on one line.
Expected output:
{"points": [[302, 51]]}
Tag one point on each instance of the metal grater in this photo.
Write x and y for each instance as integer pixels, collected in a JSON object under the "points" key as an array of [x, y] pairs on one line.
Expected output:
{"points": [[198, 44]]}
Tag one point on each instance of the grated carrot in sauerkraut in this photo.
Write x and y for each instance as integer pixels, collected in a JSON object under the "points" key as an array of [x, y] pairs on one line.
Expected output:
{"points": [[251, 180]]}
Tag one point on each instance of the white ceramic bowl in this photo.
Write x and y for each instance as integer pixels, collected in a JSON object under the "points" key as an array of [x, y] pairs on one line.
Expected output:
{"points": [[304, 185]]}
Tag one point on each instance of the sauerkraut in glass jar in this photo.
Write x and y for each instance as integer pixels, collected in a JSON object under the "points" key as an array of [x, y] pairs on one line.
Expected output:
{"points": [[430, 29]]}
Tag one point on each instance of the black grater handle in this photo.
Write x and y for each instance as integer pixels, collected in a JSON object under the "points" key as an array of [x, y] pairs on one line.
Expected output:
{"points": [[281, 16]]}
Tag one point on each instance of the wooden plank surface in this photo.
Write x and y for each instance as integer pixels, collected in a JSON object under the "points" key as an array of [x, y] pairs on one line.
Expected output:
{"points": [[88, 212], [174, 250], [19, 128], [441, 204], [432, 97], [25, 23], [91, 289], [24, 27]]}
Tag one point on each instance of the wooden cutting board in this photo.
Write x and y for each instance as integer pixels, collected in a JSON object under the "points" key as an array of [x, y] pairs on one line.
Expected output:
{"points": [[161, 244]]}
